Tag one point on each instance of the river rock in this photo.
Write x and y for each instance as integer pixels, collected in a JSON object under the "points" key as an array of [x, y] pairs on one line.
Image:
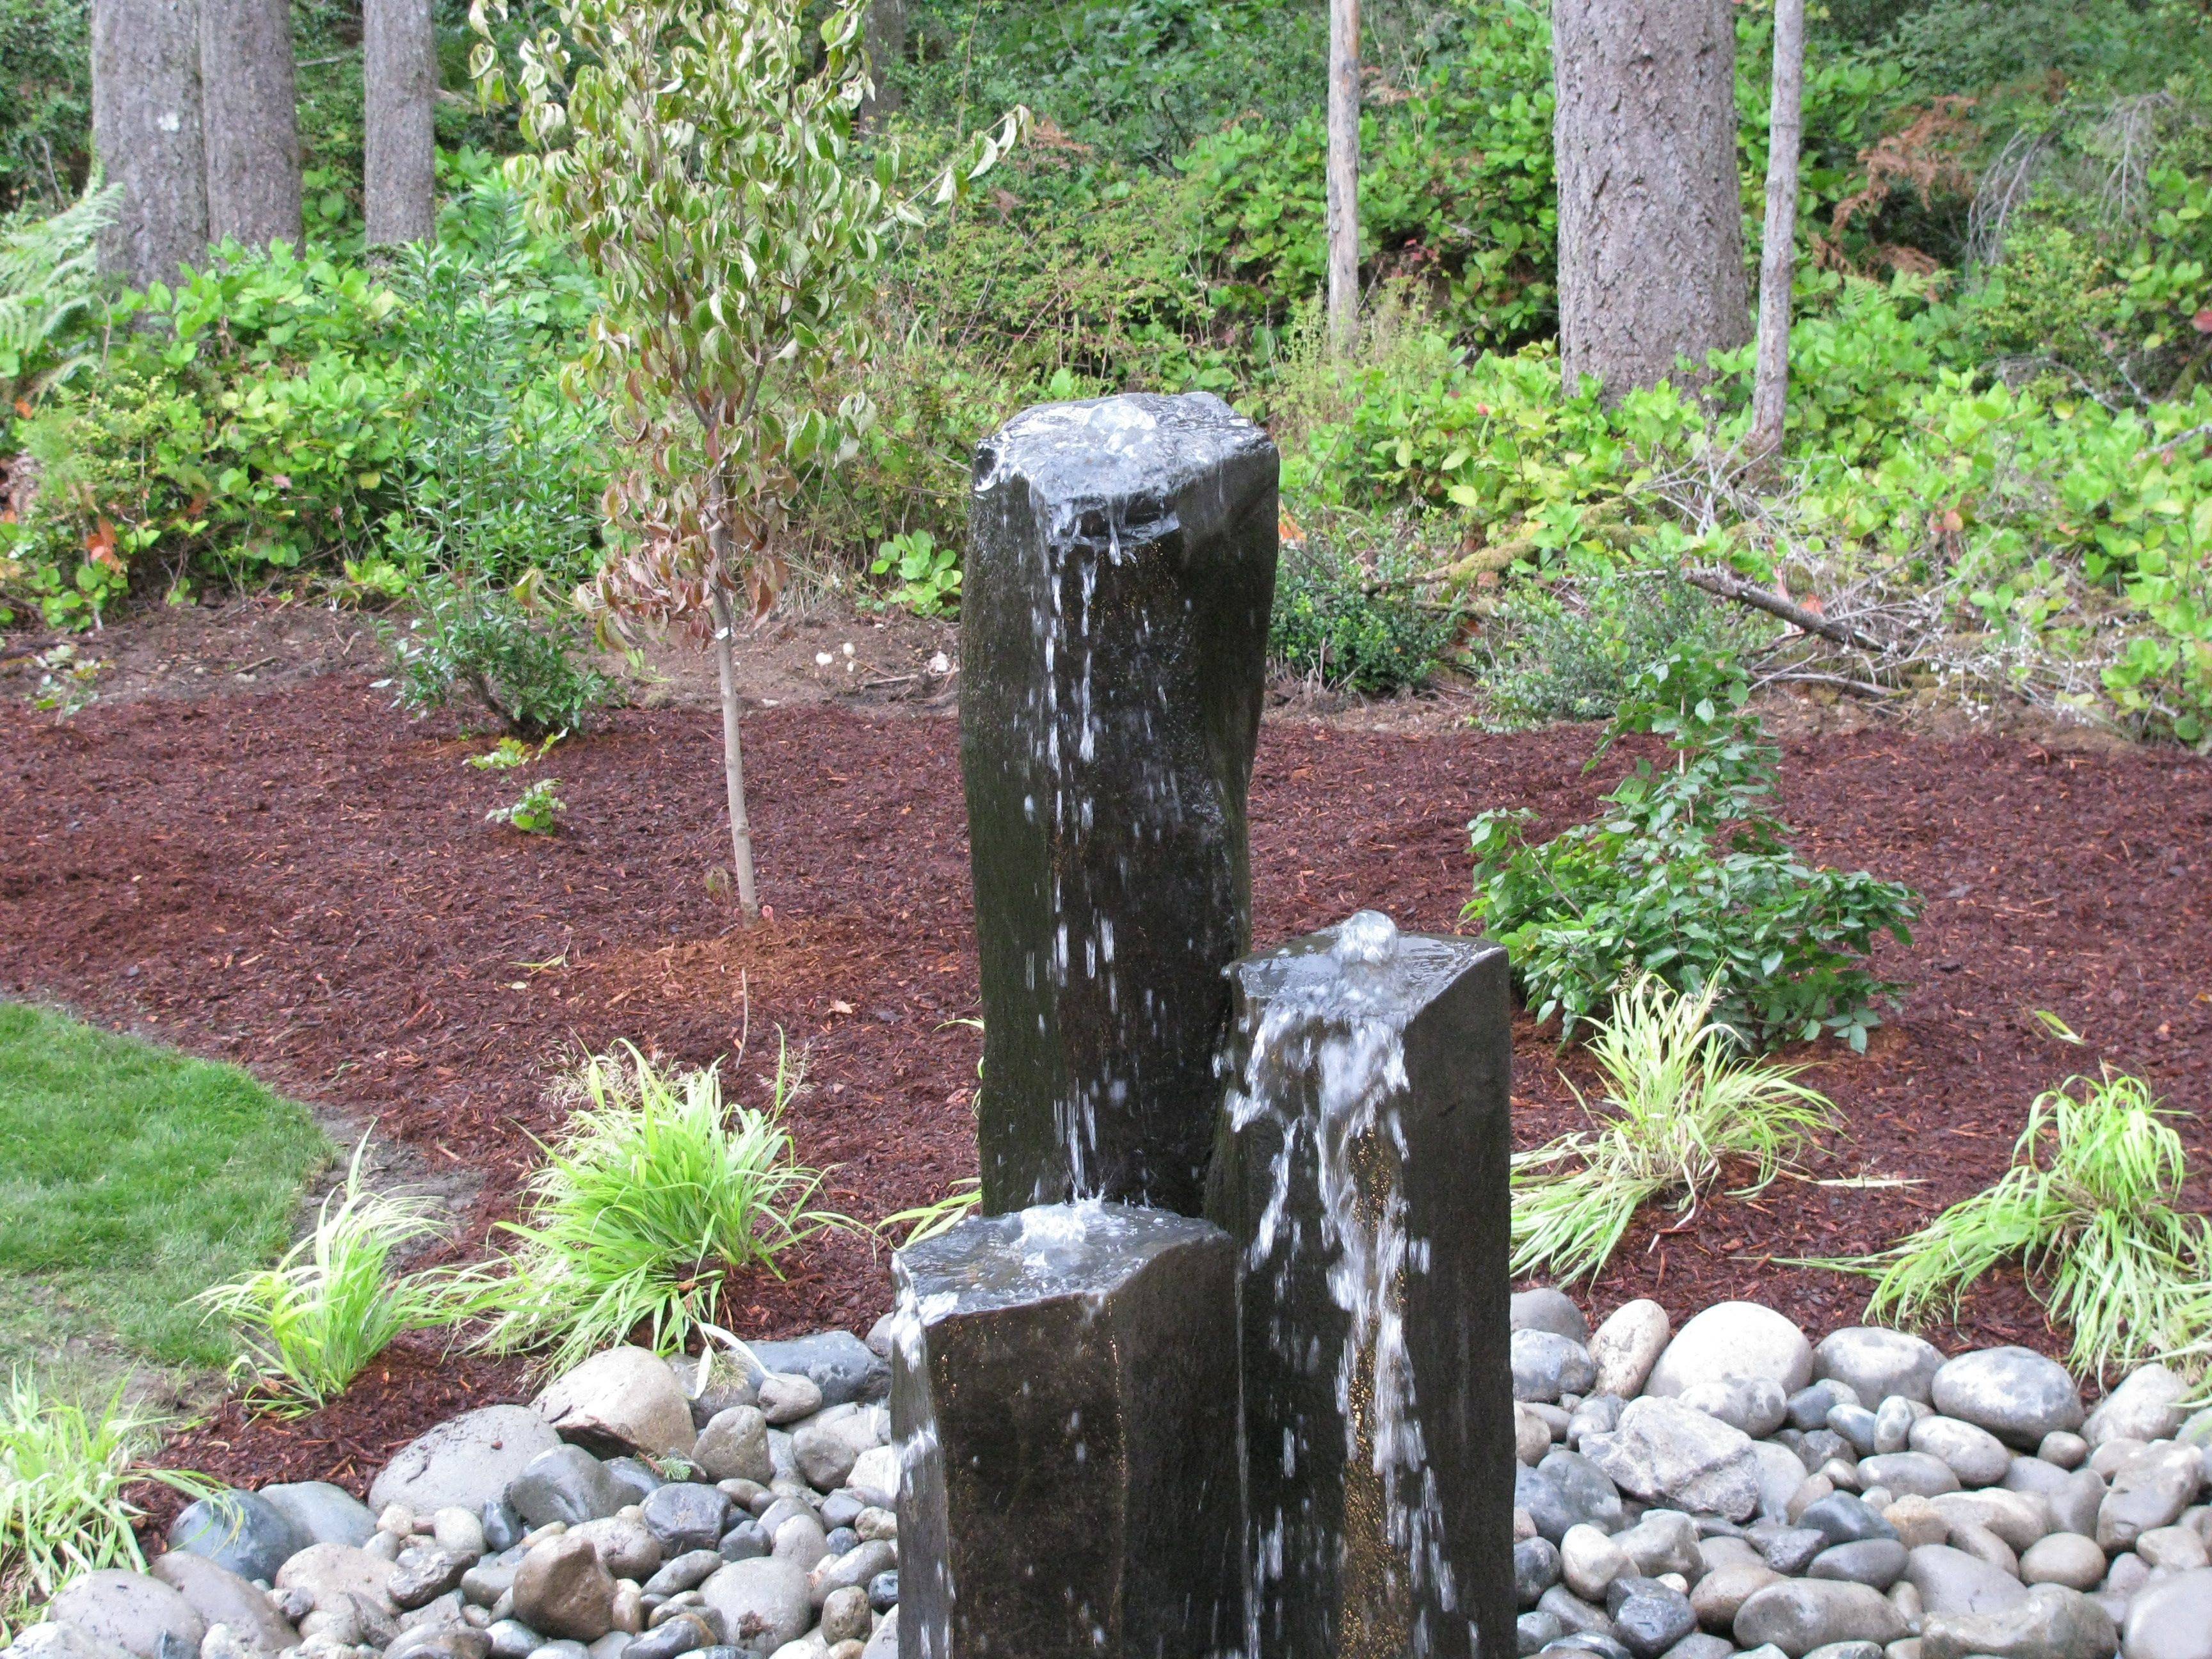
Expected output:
{"points": [[1545, 1309], [1532, 1436], [763, 1603], [566, 1483], [1626, 1347], [324, 1514], [2073, 1495], [624, 1400], [1648, 1617], [788, 1397], [467, 1461], [422, 1575], [2048, 1622], [733, 1446], [52, 1640], [220, 1596], [2017, 1394], [1756, 1405], [1907, 1474], [1664, 1450], [563, 1591], [1535, 1569], [241, 1531], [685, 1515], [853, 1569], [1809, 1408], [1589, 1561], [1800, 1614], [2171, 1620], [1892, 1424], [1950, 1581], [1977, 1457], [133, 1612], [2018, 1518], [844, 1370], [1546, 1365], [1877, 1563], [1734, 1339], [330, 1574], [2146, 1407], [1845, 1518], [875, 1477], [827, 1447], [1780, 1476], [2063, 1557], [1663, 1541], [2151, 1489], [2172, 1549], [625, 1547], [1720, 1595], [1878, 1363]]}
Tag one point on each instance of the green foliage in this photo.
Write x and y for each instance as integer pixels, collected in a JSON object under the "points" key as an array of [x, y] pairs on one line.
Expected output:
{"points": [[310, 1324], [536, 811], [1683, 1103], [505, 647], [46, 119], [65, 1474], [654, 1193], [1346, 624], [510, 753], [1688, 875], [939, 1216], [928, 575], [2092, 1209], [49, 295], [69, 681]]}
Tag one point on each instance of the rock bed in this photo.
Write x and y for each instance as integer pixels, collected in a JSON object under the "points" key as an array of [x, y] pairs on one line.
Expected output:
{"points": [[1681, 1494]]}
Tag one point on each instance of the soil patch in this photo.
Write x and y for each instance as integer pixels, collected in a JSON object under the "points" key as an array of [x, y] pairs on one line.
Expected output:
{"points": [[303, 881]]}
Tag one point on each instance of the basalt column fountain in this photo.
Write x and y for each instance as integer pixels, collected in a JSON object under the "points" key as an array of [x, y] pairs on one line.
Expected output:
{"points": [[1113, 628], [1363, 1174]]}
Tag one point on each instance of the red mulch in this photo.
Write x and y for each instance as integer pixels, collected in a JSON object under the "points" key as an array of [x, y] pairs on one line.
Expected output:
{"points": [[304, 882]]}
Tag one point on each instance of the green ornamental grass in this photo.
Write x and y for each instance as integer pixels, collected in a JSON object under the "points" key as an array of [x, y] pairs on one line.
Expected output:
{"points": [[1684, 1103], [2087, 1209], [655, 1192], [310, 1323]]}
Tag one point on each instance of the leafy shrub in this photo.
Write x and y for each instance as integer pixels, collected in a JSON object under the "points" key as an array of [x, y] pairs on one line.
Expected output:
{"points": [[928, 575], [2092, 1209], [49, 296], [310, 1324], [1688, 875], [1683, 1104], [63, 1474], [1347, 625], [654, 1193], [536, 811], [513, 655], [46, 120]]}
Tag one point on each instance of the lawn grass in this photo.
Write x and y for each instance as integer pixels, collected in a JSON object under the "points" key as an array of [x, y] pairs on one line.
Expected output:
{"points": [[131, 1179]]}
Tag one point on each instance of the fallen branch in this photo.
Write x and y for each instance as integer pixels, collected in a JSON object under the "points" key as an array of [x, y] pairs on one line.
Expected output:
{"points": [[1720, 583], [1841, 682]]}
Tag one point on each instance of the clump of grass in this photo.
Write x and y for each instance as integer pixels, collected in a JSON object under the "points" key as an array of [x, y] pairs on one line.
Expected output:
{"points": [[312, 1322], [63, 1473], [2087, 1209], [1684, 1103], [927, 1221], [656, 1191]]}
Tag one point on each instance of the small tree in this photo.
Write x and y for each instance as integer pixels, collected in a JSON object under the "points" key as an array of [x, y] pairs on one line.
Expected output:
{"points": [[699, 153]]}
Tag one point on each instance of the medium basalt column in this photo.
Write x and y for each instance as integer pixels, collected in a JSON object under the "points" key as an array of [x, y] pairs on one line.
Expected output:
{"points": [[1064, 1403], [1362, 1170], [1113, 628]]}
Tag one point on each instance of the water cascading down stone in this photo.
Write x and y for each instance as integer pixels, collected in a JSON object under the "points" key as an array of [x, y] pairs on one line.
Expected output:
{"points": [[1362, 1171], [1114, 626], [1064, 1401]]}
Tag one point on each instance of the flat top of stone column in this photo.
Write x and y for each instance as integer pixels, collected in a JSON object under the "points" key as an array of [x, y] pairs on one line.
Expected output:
{"points": [[1362, 966], [1049, 1250], [1137, 446]]}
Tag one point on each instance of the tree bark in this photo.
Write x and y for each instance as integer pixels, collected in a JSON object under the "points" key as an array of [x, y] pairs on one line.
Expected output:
{"points": [[1651, 250], [886, 41], [399, 154], [1778, 257], [146, 132], [252, 119], [1343, 214], [733, 762]]}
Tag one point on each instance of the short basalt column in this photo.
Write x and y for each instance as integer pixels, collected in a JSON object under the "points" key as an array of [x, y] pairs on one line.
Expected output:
{"points": [[1362, 1170], [1114, 627], [1064, 1403]]}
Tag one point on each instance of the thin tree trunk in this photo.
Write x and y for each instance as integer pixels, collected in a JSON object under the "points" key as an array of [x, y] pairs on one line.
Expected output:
{"points": [[1343, 174], [1650, 253], [886, 40], [733, 763], [253, 121], [146, 132], [399, 154], [1778, 260]]}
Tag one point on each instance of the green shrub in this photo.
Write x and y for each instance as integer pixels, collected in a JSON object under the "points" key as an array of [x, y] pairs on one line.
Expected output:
{"points": [[651, 1196], [46, 119], [49, 297], [536, 811], [1688, 875], [1345, 624], [504, 648]]}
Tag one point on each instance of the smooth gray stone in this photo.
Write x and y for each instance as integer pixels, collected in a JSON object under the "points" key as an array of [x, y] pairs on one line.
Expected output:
{"points": [[1546, 1365], [2017, 1394], [1800, 1614], [1755, 1405], [685, 1515], [566, 1483], [1893, 1424], [1648, 1617], [1667, 1452], [686, 1633], [744, 1542], [1535, 1569], [1977, 1457], [1908, 1473], [2150, 1490], [1536, 1629], [884, 1591], [1587, 1492], [2063, 1557], [1065, 1381], [1545, 1309], [441, 1641], [1734, 1339], [133, 1612], [2171, 1620], [241, 1531], [763, 1603], [464, 1462], [1576, 1615], [502, 1527], [1877, 1563], [512, 1639], [845, 1369], [1848, 1651], [683, 1572], [2049, 1622], [1599, 1413], [636, 1477], [1419, 1117], [1664, 1540], [2073, 1494], [1114, 629], [421, 1576], [1699, 1645], [1878, 1363], [1809, 1406], [1857, 1425], [1950, 1581], [841, 1509], [1577, 1642], [220, 1596], [2146, 1407], [492, 1577], [1845, 1519], [1790, 1550], [325, 1513]]}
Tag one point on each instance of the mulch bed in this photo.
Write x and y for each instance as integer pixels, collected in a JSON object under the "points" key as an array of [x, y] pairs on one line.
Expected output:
{"points": [[304, 882]]}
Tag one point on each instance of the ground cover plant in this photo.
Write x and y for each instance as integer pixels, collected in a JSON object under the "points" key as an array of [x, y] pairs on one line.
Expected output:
{"points": [[651, 1197], [131, 1179], [508, 652], [1689, 874], [1681, 1102], [2091, 1208]]}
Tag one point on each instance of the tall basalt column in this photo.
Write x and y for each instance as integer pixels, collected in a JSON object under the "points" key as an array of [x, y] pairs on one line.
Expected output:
{"points": [[1064, 1403], [1362, 1170], [1112, 647]]}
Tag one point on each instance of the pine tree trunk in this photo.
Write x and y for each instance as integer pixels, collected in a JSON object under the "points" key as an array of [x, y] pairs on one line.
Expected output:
{"points": [[146, 132], [1343, 174], [733, 763], [251, 120], [1777, 260], [400, 85], [1650, 224]]}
